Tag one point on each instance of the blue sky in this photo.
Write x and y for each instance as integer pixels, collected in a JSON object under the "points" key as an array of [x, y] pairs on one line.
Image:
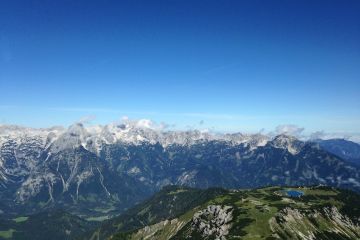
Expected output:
{"points": [[235, 65]]}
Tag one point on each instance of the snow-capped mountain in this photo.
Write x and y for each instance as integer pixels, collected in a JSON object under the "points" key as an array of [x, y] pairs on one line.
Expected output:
{"points": [[111, 167], [290, 143], [93, 138]]}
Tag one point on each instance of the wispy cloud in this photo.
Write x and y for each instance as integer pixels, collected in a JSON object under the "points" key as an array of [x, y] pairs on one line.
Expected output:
{"points": [[290, 129], [299, 132], [87, 119], [200, 115], [352, 136], [339, 126]]}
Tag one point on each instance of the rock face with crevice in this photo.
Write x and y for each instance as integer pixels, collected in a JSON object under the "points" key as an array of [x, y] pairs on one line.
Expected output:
{"points": [[314, 224], [214, 221]]}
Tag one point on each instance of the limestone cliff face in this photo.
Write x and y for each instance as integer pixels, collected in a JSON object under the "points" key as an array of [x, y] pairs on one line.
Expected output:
{"points": [[213, 221], [305, 224]]}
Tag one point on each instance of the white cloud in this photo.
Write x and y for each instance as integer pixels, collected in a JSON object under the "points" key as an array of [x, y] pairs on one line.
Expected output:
{"points": [[87, 119], [299, 132], [289, 129], [124, 118], [164, 125], [317, 135], [144, 123], [355, 137]]}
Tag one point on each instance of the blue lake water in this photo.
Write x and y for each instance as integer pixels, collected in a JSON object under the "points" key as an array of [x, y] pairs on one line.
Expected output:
{"points": [[293, 193]]}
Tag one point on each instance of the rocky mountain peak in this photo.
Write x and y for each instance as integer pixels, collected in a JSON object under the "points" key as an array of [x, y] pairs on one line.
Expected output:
{"points": [[290, 143]]}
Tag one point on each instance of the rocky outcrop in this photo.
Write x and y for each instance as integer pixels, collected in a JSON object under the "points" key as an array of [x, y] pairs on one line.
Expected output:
{"points": [[304, 224], [214, 221]]}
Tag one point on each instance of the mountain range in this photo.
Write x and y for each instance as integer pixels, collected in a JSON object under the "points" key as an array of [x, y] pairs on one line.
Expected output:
{"points": [[345, 149], [98, 172]]}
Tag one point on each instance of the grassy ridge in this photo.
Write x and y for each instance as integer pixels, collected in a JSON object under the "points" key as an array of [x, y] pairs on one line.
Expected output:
{"points": [[267, 213]]}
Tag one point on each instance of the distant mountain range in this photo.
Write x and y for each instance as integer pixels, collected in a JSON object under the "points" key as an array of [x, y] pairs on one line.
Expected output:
{"points": [[100, 171], [345, 149]]}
